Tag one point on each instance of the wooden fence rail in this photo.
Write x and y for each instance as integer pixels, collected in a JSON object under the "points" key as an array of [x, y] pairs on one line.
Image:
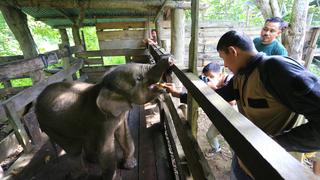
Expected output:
{"points": [[263, 156], [12, 69], [10, 107]]}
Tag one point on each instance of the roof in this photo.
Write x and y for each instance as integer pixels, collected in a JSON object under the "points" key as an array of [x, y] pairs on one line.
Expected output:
{"points": [[66, 13]]}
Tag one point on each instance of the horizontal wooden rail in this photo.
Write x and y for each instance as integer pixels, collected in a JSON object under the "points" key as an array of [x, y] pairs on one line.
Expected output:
{"points": [[10, 107], [113, 52], [28, 95], [263, 156], [16, 68]]}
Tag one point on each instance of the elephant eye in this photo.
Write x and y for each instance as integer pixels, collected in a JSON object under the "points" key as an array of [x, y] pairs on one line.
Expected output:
{"points": [[140, 78]]}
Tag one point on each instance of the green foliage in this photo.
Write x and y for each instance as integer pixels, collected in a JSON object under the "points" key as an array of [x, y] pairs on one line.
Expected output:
{"points": [[315, 70], [1, 85], [8, 44], [110, 60], [91, 38], [240, 11], [21, 82]]}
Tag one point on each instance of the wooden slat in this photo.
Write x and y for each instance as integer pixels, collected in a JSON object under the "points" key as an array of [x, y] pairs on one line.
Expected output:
{"points": [[17, 126], [175, 144], [251, 144], [197, 163], [120, 25], [10, 58], [20, 67], [8, 146], [113, 52], [31, 122], [28, 95], [125, 44], [123, 35], [147, 168]]}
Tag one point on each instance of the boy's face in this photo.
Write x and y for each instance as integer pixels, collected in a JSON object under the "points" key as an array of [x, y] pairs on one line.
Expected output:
{"points": [[270, 32], [229, 60]]}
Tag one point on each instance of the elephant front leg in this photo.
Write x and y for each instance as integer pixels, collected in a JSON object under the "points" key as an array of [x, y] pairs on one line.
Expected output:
{"points": [[123, 136], [108, 162]]}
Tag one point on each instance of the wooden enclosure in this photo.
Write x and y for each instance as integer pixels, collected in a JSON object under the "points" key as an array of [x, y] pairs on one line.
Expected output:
{"points": [[121, 26]]}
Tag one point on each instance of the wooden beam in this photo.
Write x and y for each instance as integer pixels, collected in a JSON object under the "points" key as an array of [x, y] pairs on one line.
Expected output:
{"points": [[76, 35], [254, 147], [17, 22], [160, 11], [193, 59], [66, 15], [143, 6], [113, 52], [20, 100], [8, 146], [315, 32], [15, 122], [20, 67]]}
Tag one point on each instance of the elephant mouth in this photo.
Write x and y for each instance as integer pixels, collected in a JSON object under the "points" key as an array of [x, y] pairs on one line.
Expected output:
{"points": [[158, 87]]}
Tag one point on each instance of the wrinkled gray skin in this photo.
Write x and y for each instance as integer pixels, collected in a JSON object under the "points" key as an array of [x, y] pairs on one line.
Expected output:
{"points": [[84, 119]]}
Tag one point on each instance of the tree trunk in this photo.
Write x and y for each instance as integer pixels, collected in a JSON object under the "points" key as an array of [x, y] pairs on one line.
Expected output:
{"points": [[269, 8], [297, 29]]}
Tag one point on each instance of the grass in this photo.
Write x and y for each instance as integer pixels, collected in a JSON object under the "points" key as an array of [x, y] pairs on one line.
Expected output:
{"points": [[111, 60], [23, 82]]}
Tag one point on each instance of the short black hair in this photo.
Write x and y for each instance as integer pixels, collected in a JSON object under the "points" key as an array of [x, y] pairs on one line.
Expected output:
{"points": [[237, 39], [153, 30], [214, 67], [283, 24]]}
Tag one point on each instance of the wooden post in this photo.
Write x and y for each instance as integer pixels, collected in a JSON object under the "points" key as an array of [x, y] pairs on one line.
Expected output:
{"points": [[18, 24], [17, 126], [76, 35], [177, 43], [65, 43], [193, 59], [158, 29], [312, 46], [178, 35]]}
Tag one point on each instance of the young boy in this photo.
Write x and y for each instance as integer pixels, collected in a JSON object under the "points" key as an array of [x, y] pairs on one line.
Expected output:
{"points": [[213, 76]]}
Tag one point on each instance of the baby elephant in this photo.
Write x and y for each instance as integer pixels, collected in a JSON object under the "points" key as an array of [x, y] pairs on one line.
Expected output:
{"points": [[84, 119]]}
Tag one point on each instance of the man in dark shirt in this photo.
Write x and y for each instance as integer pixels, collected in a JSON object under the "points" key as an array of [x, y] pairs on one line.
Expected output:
{"points": [[270, 91]]}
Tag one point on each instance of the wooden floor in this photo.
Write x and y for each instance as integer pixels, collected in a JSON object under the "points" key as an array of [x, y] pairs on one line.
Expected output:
{"points": [[151, 154]]}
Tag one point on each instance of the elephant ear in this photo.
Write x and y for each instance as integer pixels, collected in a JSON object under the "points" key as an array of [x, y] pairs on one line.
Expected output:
{"points": [[111, 102]]}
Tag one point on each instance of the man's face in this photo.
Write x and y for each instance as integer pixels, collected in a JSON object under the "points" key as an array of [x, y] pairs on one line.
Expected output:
{"points": [[269, 32], [154, 34], [229, 61]]}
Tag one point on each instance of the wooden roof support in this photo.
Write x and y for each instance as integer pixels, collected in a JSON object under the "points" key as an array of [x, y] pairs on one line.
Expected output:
{"points": [[66, 15], [17, 22], [145, 6], [193, 59]]}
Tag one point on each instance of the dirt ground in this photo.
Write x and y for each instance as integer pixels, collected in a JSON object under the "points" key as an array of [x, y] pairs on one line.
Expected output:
{"points": [[221, 161]]}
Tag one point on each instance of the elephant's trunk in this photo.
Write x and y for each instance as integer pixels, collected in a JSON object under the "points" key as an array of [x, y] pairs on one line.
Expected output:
{"points": [[155, 73]]}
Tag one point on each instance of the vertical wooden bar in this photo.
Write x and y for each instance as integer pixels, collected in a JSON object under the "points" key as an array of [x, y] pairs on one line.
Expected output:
{"points": [[65, 43], [178, 35], [193, 59], [312, 47], [17, 126], [76, 35], [158, 30]]}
